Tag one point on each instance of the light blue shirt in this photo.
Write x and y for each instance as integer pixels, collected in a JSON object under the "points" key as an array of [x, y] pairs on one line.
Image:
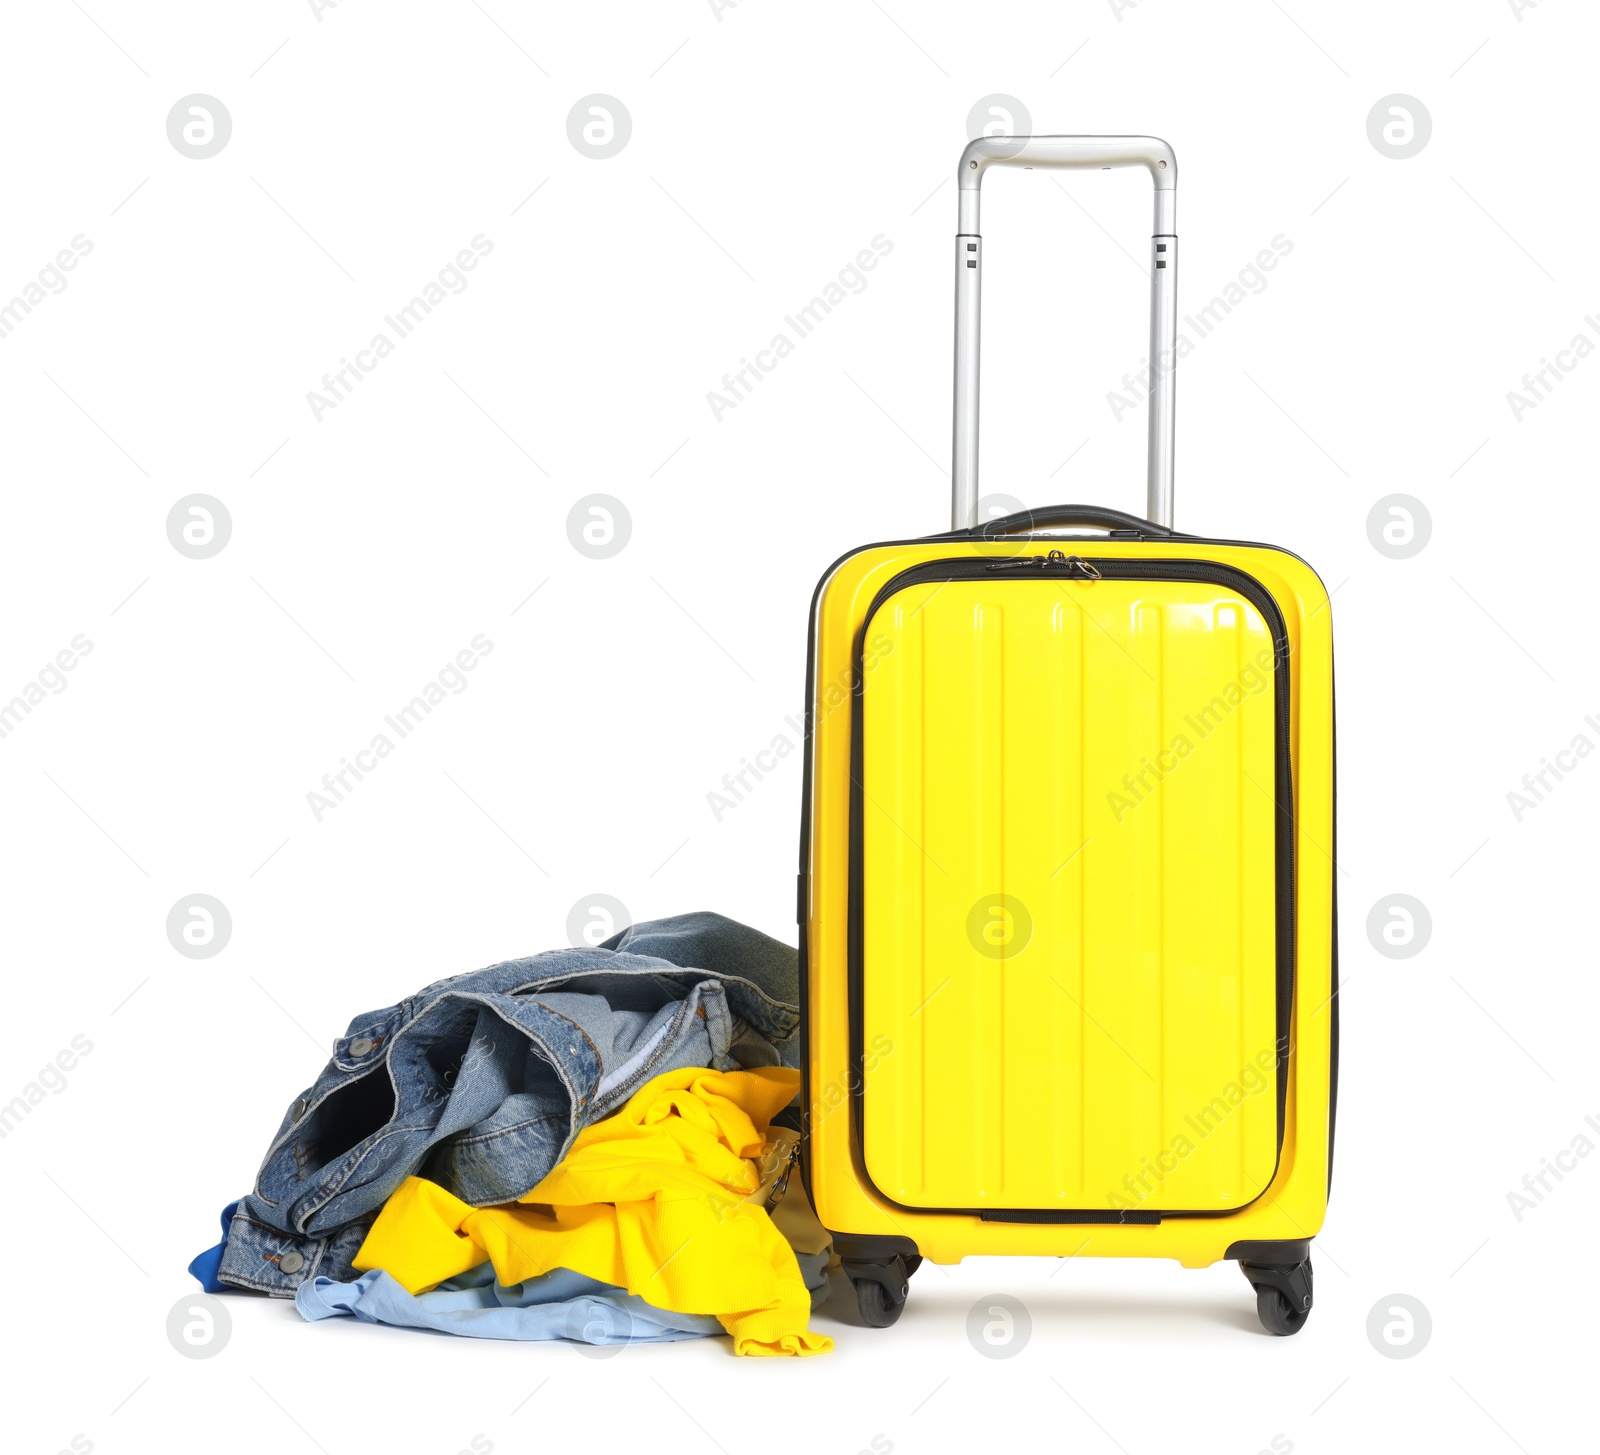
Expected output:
{"points": [[560, 1304]]}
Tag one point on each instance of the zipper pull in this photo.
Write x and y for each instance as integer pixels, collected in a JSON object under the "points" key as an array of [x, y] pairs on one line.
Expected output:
{"points": [[1072, 565], [781, 1186], [1018, 562]]}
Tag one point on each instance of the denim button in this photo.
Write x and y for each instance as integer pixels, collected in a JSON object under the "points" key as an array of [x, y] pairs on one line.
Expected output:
{"points": [[360, 1046], [291, 1262], [298, 1110]]}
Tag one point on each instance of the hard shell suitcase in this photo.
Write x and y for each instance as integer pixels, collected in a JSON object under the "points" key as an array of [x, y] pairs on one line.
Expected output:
{"points": [[1067, 898]]}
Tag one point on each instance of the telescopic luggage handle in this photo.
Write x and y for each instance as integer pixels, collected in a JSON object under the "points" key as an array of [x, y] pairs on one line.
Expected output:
{"points": [[1085, 152]]}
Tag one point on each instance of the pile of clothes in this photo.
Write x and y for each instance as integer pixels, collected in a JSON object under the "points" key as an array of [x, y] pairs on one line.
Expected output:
{"points": [[591, 1144]]}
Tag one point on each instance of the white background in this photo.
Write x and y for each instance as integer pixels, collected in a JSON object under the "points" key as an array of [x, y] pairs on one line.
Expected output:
{"points": [[770, 144]]}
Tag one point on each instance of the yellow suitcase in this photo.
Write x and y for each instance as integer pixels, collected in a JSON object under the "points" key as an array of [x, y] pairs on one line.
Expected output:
{"points": [[1066, 871]]}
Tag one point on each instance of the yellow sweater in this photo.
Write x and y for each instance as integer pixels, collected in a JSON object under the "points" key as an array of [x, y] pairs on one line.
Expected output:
{"points": [[652, 1199]]}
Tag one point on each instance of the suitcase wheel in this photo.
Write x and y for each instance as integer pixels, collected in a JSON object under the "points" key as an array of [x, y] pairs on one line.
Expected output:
{"points": [[1283, 1295], [880, 1288]]}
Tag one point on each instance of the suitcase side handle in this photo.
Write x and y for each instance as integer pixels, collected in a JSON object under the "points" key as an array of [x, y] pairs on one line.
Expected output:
{"points": [[1082, 153], [1025, 522]]}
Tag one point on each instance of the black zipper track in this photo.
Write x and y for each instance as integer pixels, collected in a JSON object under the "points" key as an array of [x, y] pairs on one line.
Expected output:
{"points": [[1078, 568]]}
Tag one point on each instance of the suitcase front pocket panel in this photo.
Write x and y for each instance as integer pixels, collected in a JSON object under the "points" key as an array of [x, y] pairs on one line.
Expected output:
{"points": [[1069, 987]]}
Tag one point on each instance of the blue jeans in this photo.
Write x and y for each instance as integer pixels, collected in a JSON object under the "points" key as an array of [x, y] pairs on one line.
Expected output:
{"points": [[480, 1082]]}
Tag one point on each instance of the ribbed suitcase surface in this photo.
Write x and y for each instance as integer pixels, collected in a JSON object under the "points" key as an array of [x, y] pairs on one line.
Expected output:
{"points": [[1068, 879]]}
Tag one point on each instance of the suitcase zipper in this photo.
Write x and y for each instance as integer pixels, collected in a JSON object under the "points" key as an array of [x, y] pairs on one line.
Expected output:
{"points": [[1072, 566]]}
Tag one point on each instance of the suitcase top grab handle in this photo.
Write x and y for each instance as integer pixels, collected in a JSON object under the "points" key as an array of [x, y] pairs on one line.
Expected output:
{"points": [[1083, 152], [1057, 517]]}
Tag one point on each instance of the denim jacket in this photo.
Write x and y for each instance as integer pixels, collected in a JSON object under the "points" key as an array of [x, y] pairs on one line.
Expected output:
{"points": [[480, 1082]]}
